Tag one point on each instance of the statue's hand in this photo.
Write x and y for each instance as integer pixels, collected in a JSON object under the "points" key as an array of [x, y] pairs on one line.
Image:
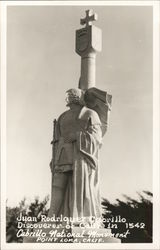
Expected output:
{"points": [[70, 138]]}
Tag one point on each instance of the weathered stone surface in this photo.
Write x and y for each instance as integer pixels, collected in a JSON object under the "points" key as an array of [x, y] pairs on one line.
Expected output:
{"points": [[78, 137], [78, 134], [90, 17], [88, 42]]}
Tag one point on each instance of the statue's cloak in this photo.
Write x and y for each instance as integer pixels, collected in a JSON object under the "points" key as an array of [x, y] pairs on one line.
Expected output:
{"points": [[80, 159]]}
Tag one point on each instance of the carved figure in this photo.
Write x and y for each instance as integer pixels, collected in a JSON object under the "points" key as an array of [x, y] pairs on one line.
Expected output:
{"points": [[75, 170]]}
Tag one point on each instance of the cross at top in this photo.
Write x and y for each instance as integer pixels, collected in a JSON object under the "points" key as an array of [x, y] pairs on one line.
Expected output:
{"points": [[90, 17]]}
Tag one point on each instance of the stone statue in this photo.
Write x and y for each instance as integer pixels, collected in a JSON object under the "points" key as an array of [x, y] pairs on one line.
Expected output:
{"points": [[77, 139], [78, 135]]}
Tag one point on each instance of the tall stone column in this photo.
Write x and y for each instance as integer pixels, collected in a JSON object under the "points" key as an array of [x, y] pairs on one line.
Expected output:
{"points": [[88, 42]]}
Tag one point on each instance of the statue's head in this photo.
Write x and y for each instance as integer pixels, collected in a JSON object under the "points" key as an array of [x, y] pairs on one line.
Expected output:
{"points": [[74, 96]]}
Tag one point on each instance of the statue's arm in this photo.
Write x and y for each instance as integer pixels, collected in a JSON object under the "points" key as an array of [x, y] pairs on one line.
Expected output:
{"points": [[94, 129], [89, 140]]}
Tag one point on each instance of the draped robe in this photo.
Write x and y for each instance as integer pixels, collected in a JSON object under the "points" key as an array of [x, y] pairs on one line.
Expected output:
{"points": [[75, 180]]}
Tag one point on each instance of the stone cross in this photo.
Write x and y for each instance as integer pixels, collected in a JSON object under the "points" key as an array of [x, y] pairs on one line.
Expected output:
{"points": [[90, 17], [88, 42]]}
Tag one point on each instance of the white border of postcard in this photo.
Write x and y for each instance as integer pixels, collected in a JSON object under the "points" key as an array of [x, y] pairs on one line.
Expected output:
{"points": [[156, 218]]}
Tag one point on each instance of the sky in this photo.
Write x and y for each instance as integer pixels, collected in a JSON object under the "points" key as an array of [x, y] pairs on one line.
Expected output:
{"points": [[42, 65]]}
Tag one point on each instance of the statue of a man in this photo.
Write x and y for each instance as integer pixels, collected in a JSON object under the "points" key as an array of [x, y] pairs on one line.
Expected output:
{"points": [[75, 170]]}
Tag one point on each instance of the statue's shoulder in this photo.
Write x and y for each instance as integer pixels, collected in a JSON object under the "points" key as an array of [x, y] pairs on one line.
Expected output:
{"points": [[87, 113], [62, 115]]}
